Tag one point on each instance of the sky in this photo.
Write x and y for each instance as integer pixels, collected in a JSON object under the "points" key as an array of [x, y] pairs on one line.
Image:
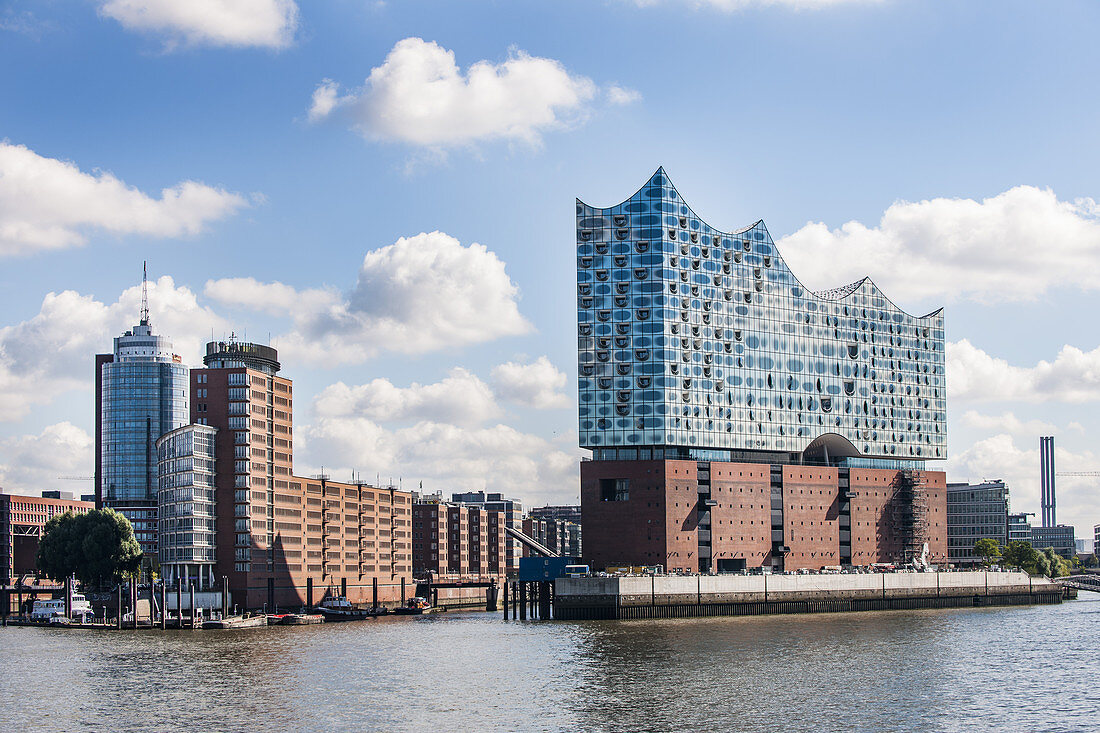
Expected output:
{"points": [[384, 191]]}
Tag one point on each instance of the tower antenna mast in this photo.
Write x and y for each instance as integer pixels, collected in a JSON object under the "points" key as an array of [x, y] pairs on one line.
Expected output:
{"points": [[144, 295]]}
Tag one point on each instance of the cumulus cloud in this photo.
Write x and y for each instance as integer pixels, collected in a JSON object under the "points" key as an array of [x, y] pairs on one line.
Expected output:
{"points": [[446, 457], [1014, 246], [419, 294], [420, 96], [1007, 422], [31, 463], [537, 384], [54, 351], [461, 399], [47, 203], [1000, 457], [264, 23], [975, 376]]}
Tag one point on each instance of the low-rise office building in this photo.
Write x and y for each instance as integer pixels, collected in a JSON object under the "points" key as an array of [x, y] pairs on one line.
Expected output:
{"points": [[1060, 537], [975, 512], [453, 539]]}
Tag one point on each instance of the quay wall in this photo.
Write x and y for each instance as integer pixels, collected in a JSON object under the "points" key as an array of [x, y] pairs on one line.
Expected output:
{"points": [[716, 595]]}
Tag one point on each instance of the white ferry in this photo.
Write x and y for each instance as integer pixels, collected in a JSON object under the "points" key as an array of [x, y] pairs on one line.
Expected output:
{"points": [[55, 609]]}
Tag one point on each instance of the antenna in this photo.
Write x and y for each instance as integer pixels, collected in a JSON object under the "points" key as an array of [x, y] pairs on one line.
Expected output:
{"points": [[144, 294]]}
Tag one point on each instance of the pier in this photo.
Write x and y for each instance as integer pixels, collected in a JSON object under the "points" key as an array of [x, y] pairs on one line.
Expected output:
{"points": [[671, 596]]}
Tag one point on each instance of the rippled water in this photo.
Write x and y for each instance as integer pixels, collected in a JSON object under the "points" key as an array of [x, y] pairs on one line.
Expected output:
{"points": [[1012, 669]]}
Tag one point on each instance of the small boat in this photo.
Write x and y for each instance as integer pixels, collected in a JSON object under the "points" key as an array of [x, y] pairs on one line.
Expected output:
{"points": [[237, 622], [415, 606], [337, 608], [300, 619]]}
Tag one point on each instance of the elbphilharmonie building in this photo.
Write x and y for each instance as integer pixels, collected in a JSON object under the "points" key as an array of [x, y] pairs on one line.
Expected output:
{"points": [[696, 342], [701, 346]]}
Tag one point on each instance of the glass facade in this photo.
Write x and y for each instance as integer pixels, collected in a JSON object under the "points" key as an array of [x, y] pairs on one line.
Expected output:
{"points": [[144, 393], [975, 512], [699, 340], [185, 504]]}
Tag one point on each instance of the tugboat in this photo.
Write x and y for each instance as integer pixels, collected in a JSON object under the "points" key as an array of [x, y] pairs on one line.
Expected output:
{"points": [[415, 606], [337, 608]]}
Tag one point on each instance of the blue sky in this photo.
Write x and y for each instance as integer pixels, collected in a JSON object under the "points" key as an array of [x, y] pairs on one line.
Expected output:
{"points": [[945, 149]]}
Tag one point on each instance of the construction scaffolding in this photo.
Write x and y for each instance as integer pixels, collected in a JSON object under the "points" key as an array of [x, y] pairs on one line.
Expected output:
{"points": [[909, 515]]}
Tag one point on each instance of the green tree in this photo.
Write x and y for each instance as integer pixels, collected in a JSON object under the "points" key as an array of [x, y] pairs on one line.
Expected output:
{"points": [[1057, 567], [988, 549], [1020, 555], [97, 547]]}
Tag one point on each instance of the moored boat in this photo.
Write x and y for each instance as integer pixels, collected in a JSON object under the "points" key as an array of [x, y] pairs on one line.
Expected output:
{"points": [[414, 607], [300, 619], [337, 608], [237, 622]]}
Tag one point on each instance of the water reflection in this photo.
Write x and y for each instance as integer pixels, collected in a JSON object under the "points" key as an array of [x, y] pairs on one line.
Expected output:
{"points": [[980, 669]]}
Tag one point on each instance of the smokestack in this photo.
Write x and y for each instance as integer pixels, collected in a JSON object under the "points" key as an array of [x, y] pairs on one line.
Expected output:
{"points": [[1046, 481]]}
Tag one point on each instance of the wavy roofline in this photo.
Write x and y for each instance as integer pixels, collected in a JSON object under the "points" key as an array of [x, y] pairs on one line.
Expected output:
{"points": [[845, 291]]}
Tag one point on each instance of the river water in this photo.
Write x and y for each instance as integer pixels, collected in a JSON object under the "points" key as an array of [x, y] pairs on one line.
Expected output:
{"points": [[1004, 669]]}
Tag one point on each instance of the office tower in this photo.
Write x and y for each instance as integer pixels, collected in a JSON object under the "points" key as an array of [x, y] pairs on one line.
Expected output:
{"points": [[141, 393], [707, 368], [974, 512], [186, 508]]}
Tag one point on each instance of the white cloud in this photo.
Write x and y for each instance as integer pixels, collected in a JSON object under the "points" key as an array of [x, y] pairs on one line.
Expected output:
{"points": [[622, 95], [266, 23], [419, 95], [1014, 246], [54, 351], [999, 457], [31, 463], [975, 376], [446, 457], [47, 203], [420, 294], [1007, 422], [537, 384], [461, 399], [325, 99]]}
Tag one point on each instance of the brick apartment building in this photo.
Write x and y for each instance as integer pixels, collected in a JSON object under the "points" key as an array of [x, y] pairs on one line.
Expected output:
{"points": [[281, 539], [22, 519], [452, 539]]}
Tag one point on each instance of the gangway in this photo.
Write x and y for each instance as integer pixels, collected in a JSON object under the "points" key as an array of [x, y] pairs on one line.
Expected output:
{"points": [[1081, 582], [531, 542]]}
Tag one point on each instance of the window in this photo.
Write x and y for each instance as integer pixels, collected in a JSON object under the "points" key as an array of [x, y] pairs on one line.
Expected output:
{"points": [[614, 489]]}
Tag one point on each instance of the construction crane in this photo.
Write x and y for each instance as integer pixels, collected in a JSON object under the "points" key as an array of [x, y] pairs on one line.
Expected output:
{"points": [[76, 478], [1078, 473]]}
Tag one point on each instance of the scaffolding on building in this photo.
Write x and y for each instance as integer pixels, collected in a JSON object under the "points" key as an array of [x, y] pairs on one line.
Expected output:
{"points": [[909, 515]]}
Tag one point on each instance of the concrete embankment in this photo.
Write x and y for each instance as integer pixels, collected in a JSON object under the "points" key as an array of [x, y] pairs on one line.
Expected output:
{"points": [[672, 596]]}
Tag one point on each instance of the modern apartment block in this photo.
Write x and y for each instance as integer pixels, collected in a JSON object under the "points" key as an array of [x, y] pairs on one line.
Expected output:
{"points": [[974, 512], [454, 539], [570, 513], [560, 535], [737, 419], [283, 539], [141, 394], [1019, 527], [22, 519], [511, 511]]}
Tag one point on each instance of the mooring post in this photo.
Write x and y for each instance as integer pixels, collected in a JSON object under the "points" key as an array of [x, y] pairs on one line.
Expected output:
{"points": [[133, 600], [491, 596], [191, 588], [118, 621], [505, 600], [374, 592], [402, 591], [225, 594], [163, 605], [522, 601], [544, 600], [69, 597], [179, 603]]}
